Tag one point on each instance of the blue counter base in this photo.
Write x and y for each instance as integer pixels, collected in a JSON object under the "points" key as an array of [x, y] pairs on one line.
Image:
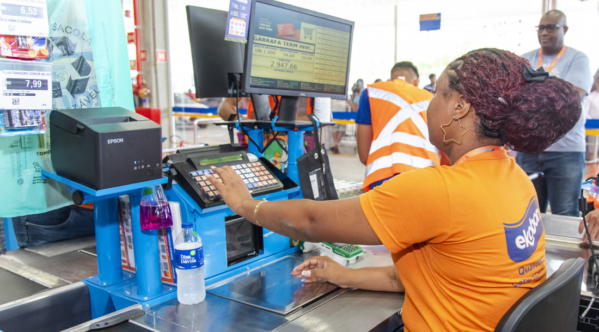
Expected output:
{"points": [[108, 298]]}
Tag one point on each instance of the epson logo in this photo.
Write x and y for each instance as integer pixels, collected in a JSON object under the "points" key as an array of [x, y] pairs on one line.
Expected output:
{"points": [[115, 140]]}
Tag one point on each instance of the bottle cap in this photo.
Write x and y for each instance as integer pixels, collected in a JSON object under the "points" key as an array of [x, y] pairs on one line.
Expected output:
{"points": [[148, 191], [187, 225]]}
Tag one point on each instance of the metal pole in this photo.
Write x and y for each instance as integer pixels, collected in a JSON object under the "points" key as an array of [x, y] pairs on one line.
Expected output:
{"points": [[10, 239], [108, 244], [146, 252], [296, 150], [258, 136], [140, 81]]}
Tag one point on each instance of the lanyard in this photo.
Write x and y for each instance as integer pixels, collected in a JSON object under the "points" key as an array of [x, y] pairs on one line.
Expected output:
{"points": [[559, 55], [473, 153]]}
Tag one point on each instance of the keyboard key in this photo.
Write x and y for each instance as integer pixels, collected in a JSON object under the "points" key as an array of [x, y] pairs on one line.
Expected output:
{"points": [[244, 166], [193, 173], [202, 183], [205, 188], [209, 171], [197, 178], [217, 176], [204, 177], [238, 172], [263, 168], [242, 176], [216, 192], [246, 181], [212, 187], [210, 194]]}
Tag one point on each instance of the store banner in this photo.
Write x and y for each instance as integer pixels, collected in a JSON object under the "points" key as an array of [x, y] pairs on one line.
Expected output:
{"points": [[109, 42], [238, 20], [87, 47], [430, 22]]}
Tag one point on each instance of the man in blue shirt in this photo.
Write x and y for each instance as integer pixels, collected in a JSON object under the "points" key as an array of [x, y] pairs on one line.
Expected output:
{"points": [[563, 162], [431, 87]]}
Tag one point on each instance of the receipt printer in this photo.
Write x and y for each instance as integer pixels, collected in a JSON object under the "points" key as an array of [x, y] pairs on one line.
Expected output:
{"points": [[105, 147]]}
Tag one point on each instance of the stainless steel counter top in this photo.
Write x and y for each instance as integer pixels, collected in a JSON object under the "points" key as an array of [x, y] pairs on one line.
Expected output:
{"points": [[341, 310]]}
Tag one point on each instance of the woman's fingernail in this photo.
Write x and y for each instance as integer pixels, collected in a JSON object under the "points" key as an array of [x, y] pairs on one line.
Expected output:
{"points": [[306, 273], [212, 167]]}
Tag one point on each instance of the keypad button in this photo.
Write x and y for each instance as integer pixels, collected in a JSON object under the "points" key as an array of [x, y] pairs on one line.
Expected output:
{"points": [[193, 173], [216, 192], [210, 194], [212, 187], [234, 166], [197, 178], [245, 166], [202, 183], [204, 177], [238, 172], [205, 188], [263, 168], [246, 181], [209, 171], [217, 176]]}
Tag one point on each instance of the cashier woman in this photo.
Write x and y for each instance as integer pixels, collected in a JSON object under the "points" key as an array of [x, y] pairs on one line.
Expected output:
{"points": [[459, 235]]}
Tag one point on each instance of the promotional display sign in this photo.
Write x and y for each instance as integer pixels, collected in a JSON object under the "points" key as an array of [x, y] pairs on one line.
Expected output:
{"points": [[237, 21], [25, 90], [23, 18]]}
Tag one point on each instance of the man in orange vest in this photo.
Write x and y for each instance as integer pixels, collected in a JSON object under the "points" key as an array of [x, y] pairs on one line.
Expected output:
{"points": [[392, 132]]}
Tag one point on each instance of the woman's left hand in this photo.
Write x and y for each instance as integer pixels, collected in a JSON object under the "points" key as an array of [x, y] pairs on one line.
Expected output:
{"points": [[232, 188]]}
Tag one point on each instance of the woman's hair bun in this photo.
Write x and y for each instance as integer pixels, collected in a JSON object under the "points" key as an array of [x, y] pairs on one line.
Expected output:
{"points": [[528, 115]]}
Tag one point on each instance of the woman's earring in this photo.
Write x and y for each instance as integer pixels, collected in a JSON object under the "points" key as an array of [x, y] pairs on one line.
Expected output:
{"points": [[447, 141]]}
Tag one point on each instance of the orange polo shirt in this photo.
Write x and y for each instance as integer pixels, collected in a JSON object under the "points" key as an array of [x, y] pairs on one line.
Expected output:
{"points": [[467, 257]]}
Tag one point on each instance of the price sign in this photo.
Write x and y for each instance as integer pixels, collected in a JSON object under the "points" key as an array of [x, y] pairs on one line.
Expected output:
{"points": [[24, 18], [25, 90]]}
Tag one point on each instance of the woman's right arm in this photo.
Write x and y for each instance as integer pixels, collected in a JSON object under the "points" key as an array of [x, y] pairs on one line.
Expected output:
{"points": [[323, 268]]}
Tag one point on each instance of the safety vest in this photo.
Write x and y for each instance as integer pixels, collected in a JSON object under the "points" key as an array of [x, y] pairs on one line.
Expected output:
{"points": [[400, 141]]}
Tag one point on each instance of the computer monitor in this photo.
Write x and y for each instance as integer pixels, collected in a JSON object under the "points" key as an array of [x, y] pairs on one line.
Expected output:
{"points": [[215, 60], [297, 52]]}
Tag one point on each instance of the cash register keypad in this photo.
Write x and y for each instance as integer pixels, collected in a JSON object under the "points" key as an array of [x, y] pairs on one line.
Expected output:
{"points": [[255, 176]]}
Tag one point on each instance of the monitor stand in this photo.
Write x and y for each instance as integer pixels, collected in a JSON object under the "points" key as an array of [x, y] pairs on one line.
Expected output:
{"points": [[288, 109]]}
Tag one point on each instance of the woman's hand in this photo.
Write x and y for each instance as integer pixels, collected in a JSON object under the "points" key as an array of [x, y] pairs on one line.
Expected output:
{"points": [[232, 188], [323, 268], [593, 224]]}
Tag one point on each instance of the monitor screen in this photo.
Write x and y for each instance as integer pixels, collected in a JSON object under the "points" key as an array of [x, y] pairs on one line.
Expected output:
{"points": [[214, 59], [296, 52]]}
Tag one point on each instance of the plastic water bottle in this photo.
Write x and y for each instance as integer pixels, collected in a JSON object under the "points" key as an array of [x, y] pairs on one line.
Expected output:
{"points": [[189, 261]]}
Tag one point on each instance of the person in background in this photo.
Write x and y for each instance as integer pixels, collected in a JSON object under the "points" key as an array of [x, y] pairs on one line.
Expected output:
{"points": [[61, 224], [354, 99], [190, 94], [591, 105], [431, 87], [392, 136], [563, 162], [378, 80], [227, 110], [458, 264]]}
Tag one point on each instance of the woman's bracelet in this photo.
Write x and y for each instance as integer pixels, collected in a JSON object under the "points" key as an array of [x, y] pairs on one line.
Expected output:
{"points": [[256, 211]]}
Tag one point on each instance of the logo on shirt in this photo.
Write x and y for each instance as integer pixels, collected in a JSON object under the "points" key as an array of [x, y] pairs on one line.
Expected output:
{"points": [[522, 237]]}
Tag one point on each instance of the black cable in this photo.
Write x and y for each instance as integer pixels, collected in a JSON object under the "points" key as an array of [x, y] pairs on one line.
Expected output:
{"points": [[582, 204], [237, 87]]}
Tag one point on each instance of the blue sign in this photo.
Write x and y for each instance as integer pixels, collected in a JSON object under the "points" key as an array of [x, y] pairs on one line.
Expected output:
{"points": [[430, 22], [238, 21]]}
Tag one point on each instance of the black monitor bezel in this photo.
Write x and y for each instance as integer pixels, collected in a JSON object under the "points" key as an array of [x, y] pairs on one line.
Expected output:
{"points": [[292, 93]]}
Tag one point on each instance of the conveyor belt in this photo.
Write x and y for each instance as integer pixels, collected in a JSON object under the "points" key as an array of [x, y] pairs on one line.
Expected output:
{"points": [[125, 327], [15, 287]]}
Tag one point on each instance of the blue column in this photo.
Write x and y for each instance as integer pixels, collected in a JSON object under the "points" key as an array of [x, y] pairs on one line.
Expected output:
{"points": [[258, 136], [10, 238], [146, 251], [296, 150], [108, 245]]}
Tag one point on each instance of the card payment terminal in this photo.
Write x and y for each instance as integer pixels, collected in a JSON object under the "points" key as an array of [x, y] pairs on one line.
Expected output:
{"points": [[193, 168]]}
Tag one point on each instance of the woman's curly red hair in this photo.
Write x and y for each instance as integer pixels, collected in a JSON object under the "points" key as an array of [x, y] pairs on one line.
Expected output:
{"points": [[534, 115]]}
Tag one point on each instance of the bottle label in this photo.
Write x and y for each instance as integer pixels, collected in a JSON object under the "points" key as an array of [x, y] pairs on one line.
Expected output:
{"points": [[189, 259]]}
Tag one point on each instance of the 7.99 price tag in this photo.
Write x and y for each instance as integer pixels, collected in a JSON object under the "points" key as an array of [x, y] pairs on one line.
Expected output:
{"points": [[25, 90], [24, 18]]}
